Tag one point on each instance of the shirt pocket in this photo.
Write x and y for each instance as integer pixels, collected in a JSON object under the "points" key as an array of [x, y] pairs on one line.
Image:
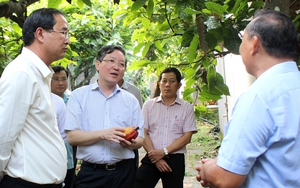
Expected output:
{"points": [[122, 121], [177, 126]]}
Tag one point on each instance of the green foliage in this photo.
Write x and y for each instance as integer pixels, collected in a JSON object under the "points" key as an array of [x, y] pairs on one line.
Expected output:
{"points": [[156, 34], [10, 42], [187, 35]]}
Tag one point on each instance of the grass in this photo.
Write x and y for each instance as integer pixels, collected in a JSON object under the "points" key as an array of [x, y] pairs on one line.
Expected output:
{"points": [[204, 144], [206, 140]]}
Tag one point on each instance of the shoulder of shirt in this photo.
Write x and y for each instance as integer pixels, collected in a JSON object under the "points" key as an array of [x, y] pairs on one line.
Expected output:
{"points": [[182, 102], [81, 90], [57, 99], [153, 100], [31, 57], [126, 93]]}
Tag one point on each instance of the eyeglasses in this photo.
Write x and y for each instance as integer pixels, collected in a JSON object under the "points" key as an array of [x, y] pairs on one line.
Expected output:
{"points": [[59, 80], [65, 33], [121, 64]]}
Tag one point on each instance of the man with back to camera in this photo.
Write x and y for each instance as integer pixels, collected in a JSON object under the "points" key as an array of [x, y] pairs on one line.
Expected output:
{"points": [[262, 140]]}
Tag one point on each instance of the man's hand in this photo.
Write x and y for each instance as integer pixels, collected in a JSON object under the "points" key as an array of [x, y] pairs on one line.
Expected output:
{"points": [[156, 155], [114, 134], [163, 166], [199, 177]]}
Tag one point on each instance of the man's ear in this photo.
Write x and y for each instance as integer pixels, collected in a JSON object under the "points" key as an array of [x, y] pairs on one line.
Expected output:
{"points": [[97, 63], [180, 84], [39, 34], [255, 45]]}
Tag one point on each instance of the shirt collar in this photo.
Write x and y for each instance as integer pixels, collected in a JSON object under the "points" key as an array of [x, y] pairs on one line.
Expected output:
{"points": [[41, 66], [177, 100], [95, 87]]}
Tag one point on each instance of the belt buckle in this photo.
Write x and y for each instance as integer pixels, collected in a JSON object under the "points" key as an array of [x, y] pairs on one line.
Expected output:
{"points": [[110, 167]]}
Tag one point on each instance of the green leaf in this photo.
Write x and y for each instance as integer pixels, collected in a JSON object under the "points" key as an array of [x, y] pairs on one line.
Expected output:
{"points": [[236, 6], [54, 3], [86, 41], [232, 41], [216, 8], [206, 96], [212, 23], [211, 40], [137, 65], [187, 37], [138, 48], [193, 48], [150, 8], [187, 92], [158, 45], [191, 11], [215, 82], [138, 4], [189, 73], [257, 4], [206, 62], [87, 2], [145, 49]]}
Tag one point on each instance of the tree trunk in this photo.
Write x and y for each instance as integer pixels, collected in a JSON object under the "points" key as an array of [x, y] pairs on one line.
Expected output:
{"points": [[279, 5]]}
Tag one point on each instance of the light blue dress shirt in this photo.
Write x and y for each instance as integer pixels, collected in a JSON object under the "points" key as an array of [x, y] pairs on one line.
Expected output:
{"points": [[89, 109], [262, 139]]}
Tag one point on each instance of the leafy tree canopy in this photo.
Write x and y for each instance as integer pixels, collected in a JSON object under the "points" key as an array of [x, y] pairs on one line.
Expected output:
{"points": [[187, 34]]}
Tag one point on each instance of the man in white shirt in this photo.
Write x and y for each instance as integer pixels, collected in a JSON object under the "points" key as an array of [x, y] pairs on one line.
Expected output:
{"points": [[32, 152]]}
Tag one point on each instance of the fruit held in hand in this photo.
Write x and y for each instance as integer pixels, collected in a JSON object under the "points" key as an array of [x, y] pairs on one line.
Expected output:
{"points": [[131, 133]]}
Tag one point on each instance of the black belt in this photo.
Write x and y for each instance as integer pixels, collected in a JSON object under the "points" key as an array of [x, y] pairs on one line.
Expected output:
{"points": [[30, 184], [105, 166]]}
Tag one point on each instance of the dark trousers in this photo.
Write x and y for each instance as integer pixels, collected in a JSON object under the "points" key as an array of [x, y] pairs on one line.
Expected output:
{"points": [[9, 182], [75, 165], [120, 177], [148, 175], [69, 178], [136, 157]]}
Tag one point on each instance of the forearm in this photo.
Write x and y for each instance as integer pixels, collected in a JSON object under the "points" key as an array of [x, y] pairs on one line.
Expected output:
{"points": [[180, 142], [148, 146], [138, 144], [219, 177], [83, 138]]}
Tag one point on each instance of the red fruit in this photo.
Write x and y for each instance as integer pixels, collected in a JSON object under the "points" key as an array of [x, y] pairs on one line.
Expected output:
{"points": [[131, 133]]}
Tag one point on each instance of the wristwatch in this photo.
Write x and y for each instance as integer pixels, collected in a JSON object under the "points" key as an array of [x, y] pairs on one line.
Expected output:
{"points": [[166, 151]]}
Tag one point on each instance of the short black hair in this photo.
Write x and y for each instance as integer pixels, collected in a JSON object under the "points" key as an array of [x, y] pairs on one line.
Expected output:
{"points": [[109, 49], [43, 18], [171, 69], [59, 68]]}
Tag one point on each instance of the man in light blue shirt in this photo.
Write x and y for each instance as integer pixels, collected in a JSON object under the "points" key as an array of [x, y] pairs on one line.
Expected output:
{"points": [[96, 118], [262, 140]]}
